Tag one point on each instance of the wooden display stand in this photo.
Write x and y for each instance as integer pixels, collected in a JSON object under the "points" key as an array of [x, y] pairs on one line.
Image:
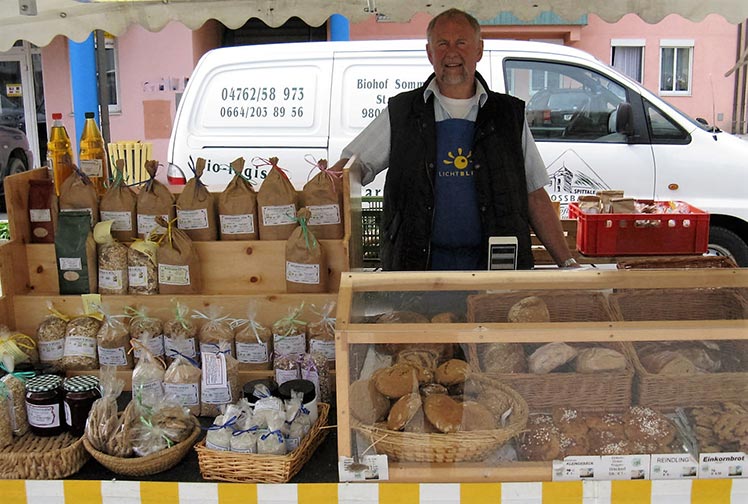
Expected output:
{"points": [[351, 332], [234, 272]]}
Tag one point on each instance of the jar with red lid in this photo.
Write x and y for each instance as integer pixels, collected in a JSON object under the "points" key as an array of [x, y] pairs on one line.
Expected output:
{"points": [[80, 392], [44, 405]]}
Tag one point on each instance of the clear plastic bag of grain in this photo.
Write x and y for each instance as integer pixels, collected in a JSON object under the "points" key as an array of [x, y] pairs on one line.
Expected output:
{"points": [[182, 380], [254, 342], [105, 429], [148, 374], [16, 403], [167, 424], [286, 368], [321, 333], [6, 427], [273, 442], [219, 434], [113, 342], [142, 267], [112, 260], [80, 344], [214, 328], [180, 334], [50, 337], [289, 333], [147, 329], [219, 383], [314, 368]]}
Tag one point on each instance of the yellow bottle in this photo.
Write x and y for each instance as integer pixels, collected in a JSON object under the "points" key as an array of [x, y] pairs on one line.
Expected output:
{"points": [[93, 157], [59, 152]]}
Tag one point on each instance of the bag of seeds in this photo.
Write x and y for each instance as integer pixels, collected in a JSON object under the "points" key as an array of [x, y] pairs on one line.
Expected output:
{"points": [[219, 434], [16, 402], [180, 334], [50, 337], [237, 207], [148, 330], [154, 200], [215, 329], [323, 196], [196, 208], [113, 275], [6, 428], [272, 442], [277, 202], [182, 380], [321, 333], [43, 209], [75, 250], [289, 333], [80, 343], [118, 205], [254, 342], [77, 192], [142, 266], [147, 376], [105, 429], [314, 368], [178, 263], [220, 380], [306, 261], [113, 342]]}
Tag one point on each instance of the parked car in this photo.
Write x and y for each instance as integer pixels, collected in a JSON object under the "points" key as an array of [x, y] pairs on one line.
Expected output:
{"points": [[15, 156]]}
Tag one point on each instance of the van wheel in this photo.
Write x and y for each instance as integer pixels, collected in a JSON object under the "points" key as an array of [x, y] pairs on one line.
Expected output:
{"points": [[15, 165], [723, 242]]}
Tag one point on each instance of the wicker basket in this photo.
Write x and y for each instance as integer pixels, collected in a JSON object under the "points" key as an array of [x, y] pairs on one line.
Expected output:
{"points": [[584, 391], [666, 392], [148, 465], [36, 457], [261, 468], [448, 448]]}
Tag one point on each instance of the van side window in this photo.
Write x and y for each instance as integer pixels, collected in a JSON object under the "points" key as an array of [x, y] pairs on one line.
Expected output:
{"points": [[565, 102], [662, 129]]}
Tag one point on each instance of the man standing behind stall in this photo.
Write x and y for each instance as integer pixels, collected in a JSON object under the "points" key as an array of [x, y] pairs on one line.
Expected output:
{"points": [[462, 162]]}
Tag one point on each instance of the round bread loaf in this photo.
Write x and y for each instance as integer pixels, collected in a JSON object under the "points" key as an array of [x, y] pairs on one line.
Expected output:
{"points": [[599, 360], [367, 404], [445, 318], [529, 309], [550, 356], [475, 416], [452, 372], [646, 425], [573, 446], [610, 422], [396, 381], [502, 357], [570, 422], [444, 412], [541, 440], [403, 411]]}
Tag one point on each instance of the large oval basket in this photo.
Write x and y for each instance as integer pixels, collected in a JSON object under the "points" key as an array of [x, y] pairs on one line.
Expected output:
{"points": [[463, 446], [148, 465]]}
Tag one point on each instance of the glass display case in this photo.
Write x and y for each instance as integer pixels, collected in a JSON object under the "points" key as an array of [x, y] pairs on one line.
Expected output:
{"points": [[540, 375]]}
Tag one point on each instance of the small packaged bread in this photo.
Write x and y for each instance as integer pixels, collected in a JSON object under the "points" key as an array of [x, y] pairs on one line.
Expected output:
{"points": [[550, 356], [182, 380]]}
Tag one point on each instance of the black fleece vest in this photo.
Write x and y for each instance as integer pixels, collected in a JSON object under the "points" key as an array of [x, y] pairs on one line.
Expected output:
{"points": [[498, 158]]}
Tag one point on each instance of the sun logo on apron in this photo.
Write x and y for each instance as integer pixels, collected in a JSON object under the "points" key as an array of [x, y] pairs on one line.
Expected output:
{"points": [[460, 161]]}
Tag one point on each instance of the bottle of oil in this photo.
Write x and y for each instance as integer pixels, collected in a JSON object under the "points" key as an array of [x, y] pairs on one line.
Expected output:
{"points": [[93, 157], [59, 152]]}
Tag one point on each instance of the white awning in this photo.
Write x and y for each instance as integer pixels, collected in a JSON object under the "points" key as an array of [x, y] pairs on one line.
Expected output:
{"points": [[38, 21]]}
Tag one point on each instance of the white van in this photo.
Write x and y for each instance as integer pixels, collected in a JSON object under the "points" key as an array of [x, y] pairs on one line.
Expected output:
{"points": [[595, 128]]}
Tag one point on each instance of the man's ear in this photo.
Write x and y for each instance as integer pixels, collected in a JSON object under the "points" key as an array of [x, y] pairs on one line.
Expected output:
{"points": [[480, 50], [428, 53]]}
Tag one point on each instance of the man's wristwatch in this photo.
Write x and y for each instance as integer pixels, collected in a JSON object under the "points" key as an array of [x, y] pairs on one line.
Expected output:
{"points": [[570, 263]]}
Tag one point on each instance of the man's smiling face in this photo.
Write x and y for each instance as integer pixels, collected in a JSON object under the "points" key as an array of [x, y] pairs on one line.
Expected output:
{"points": [[454, 49]]}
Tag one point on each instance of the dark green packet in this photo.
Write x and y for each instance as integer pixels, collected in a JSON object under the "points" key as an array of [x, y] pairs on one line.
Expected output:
{"points": [[75, 249]]}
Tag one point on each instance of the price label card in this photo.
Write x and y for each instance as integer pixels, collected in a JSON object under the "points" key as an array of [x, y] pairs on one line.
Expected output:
{"points": [[369, 468], [575, 468], [673, 466], [722, 465], [623, 467]]}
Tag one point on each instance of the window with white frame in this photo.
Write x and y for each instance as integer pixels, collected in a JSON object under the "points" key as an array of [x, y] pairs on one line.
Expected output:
{"points": [[676, 61], [627, 56]]}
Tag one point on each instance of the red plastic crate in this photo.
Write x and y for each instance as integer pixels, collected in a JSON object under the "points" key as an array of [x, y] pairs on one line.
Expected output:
{"points": [[641, 234]]}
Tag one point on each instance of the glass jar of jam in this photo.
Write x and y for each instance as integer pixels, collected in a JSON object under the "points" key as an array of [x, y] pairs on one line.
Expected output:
{"points": [[80, 392], [44, 405]]}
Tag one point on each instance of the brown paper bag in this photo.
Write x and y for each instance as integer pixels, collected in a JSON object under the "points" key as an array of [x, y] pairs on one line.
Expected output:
{"points": [[306, 261], [196, 208], [237, 207], [43, 210], [277, 203], [77, 192], [118, 205], [178, 262], [323, 196], [154, 200]]}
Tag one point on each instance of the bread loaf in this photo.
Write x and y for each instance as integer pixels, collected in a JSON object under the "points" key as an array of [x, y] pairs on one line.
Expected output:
{"points": [[599, 359], [396, 381], [529, 309], [444, 412], [475, 416], [403, 411], [550, 356], [667, 362], [452, 372], [502, 357], [368, 405]]}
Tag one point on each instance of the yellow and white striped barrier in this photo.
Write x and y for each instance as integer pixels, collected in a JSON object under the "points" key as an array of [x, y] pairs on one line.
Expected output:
{"points": [[587, 492]]}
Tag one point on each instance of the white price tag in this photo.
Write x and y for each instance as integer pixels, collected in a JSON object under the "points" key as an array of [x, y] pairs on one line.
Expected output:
{"points": [[722, 465], [673, 466], [370, 468]]}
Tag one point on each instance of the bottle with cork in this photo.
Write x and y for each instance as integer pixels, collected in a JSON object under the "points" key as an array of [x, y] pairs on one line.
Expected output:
{"points": [[59, 152], [93, 157]]}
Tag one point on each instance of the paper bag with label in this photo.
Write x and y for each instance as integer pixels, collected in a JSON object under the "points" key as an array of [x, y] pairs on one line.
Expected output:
{"points": [[79, 193], [112, 261], [323, 196], [178, 262], [154, 199], [196, 208], [306, 261], [118, 205], [43, 210], [75, 250], [237, 207], [277, 202]]}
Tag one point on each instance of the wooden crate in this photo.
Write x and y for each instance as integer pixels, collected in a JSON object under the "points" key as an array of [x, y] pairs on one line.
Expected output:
{"points": [[354, 337]]}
